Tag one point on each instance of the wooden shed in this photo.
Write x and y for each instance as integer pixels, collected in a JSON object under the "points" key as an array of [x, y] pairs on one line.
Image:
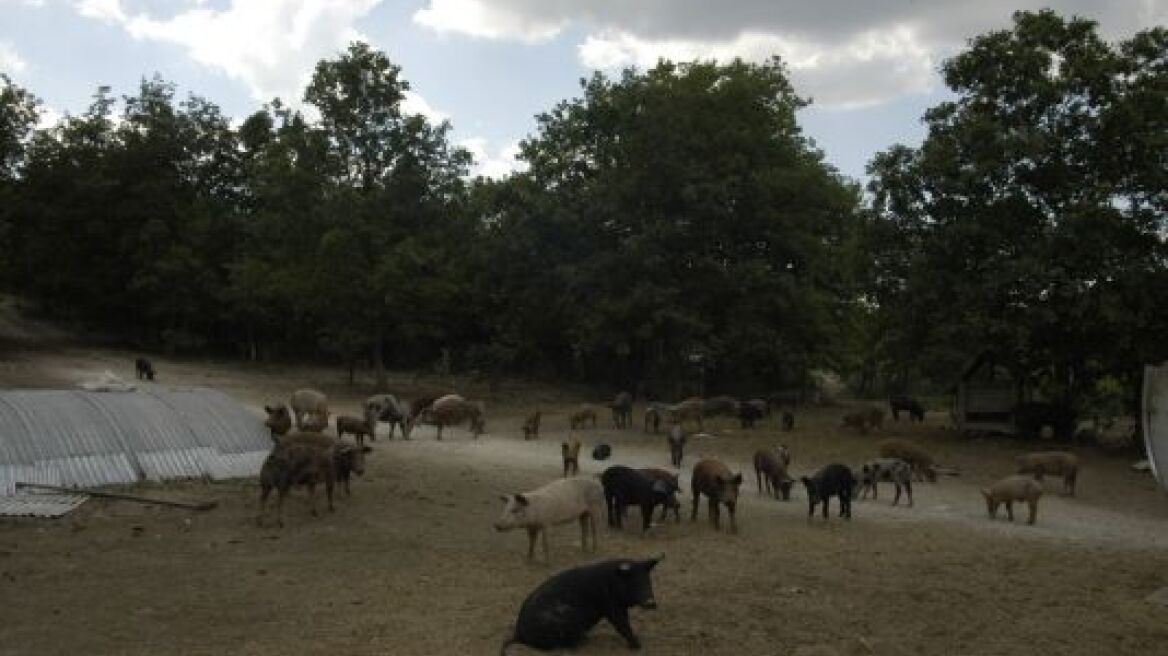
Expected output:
{"points": [[985, 396]]}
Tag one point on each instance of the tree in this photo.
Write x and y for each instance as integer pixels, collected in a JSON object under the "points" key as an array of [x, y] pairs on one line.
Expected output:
{"points": [[18, 115], [673, 210], [1025, 221]]}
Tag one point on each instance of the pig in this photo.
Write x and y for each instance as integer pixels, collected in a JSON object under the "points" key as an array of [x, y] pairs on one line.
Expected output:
{"points": [[833, 480], [561, 611], [748, 413], [788, 421], [676, 441], [725, 406], [349, 459], [902, 403], [309, 403], [297, 462], [672, 480], [913, 454], [1051, 462], [713, 479], [888, 470], [144, 369], [357, 427], [1011, 489], [622, 410], [857, 420], [690, 408], [390, 409], [654, 412], [558, 502], [279, 420], [601, 451], [783, 453], [769, 468], [583, 416], [624, 486], [451, 410], [570, 450], [531, 426]]}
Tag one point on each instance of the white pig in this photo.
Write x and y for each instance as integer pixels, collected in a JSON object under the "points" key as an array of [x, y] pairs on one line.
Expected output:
{"points": [[558, 502]]}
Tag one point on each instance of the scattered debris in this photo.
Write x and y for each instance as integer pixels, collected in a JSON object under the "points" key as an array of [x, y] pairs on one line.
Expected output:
{"points": [[107, 381], [191, 505]]}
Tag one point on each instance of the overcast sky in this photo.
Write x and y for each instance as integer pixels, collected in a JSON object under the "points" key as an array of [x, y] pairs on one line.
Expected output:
{"points": [[489, 66]]}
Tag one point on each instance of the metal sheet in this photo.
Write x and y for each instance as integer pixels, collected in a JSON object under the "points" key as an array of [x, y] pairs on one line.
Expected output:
{"points": [[39, 505], [82, 438], [1155, 420]]}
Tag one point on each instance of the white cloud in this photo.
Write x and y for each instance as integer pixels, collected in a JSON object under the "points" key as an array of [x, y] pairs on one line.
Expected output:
{"points": [[47, 117], [484, 20], [10, 62], [271, 46], [842, 53], [106, 11], [499, 164], [414, 103]]}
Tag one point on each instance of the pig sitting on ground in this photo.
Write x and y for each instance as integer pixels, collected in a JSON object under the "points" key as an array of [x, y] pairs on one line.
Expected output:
{"points": [[357, 427], [624, 486], [713, 479], [887, 470], [676, 445], [1011, 489], [565, 607], [671, 480], [557, 502], [771, 471], [832, 480], [570, 450], [1051, 462], [297, 462]]}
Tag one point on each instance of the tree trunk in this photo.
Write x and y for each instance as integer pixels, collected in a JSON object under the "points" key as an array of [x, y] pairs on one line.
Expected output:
{"points": [[382, 380]]}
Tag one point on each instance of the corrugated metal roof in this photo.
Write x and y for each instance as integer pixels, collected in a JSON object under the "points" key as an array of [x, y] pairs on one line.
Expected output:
{"points": [[83, 438]]}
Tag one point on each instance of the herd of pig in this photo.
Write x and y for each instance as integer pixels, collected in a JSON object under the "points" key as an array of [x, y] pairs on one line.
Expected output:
{"points": [[565, 607]]}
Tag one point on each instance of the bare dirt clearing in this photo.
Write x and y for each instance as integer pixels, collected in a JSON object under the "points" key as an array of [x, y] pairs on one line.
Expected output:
{"points": [[411, 565]]}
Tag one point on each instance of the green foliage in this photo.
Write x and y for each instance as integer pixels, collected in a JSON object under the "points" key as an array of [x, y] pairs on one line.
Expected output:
{"points": [[1025, 222]]}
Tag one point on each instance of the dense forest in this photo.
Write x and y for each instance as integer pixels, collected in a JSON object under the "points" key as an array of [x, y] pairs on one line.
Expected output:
{"points": [[665, 217]]}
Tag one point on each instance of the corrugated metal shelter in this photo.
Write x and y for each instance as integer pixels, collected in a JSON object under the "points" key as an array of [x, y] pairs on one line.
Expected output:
{"points": [[83, 438]]}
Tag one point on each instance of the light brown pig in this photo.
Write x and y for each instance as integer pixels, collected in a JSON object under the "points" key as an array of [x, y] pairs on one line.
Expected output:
{"points": [[1051, 462], [1011, 489]]}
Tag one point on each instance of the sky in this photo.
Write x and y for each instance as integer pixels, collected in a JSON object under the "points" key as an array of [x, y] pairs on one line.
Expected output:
{"points": [[870, 67]]}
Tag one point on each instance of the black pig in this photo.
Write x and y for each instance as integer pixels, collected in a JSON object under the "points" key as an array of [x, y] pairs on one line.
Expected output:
{"points": [[563, 608], [624, 486], [832, 480]]}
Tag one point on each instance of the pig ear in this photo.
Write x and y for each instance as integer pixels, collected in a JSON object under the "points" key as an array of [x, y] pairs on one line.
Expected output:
{"points": [[737, 479], [521, 499]]}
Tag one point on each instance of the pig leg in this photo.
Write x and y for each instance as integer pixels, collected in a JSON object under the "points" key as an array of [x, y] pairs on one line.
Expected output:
{"points": [[532, 536], [714, 513], [328, 491], [619, 618], [1010, 510], [697, 498], [280, 494], [1033, 511], [758, 479], [826, 501], [311, 498], [733, 524], [845, 505]]}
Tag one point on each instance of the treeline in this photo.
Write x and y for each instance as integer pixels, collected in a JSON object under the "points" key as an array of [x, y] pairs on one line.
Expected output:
{"points": [[669, 221]]}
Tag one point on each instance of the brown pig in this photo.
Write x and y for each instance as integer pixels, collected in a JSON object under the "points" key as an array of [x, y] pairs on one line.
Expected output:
{"points": [[713, 479], [1051, 462], [1011, 489]]}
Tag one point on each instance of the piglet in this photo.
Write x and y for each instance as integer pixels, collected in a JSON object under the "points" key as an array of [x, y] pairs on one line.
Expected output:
{"points": [[565, 607]]}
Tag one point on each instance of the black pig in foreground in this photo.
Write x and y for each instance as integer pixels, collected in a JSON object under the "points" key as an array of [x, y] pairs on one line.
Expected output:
{"points": [[832, 480], [565, 607]]}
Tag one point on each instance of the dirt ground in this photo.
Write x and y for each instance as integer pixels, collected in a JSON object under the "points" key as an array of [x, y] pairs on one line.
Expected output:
{"points": [[410, 564]]}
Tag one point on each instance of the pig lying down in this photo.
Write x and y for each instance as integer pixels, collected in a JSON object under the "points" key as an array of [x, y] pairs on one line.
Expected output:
{"points": [[561, 611], [558, 502]]}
